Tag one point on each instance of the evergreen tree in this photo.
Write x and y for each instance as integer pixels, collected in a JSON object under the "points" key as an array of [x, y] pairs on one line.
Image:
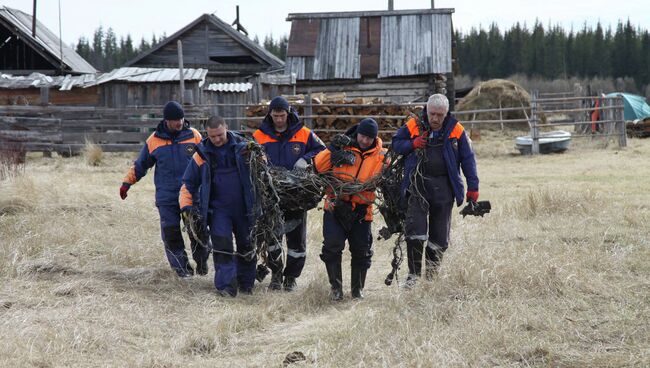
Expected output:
{"points": [[110, 50], [97, 54]]}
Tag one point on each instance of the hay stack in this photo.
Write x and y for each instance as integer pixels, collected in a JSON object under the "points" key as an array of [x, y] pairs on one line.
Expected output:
{"points": [[494, 94]]}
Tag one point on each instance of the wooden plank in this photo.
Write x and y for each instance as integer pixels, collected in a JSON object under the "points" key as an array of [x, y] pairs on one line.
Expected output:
{"points": [[29, 136], [303, 37], [337, 50], [369, 45], [76, 148], [105, 137]]}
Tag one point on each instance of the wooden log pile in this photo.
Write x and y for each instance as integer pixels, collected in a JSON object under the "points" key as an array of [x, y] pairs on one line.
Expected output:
{"points": [[334, 113], [638, 128]]}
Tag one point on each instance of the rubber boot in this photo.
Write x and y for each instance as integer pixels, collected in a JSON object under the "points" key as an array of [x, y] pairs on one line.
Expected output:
{"points": [[433, 260], [289, 284], [276, 281], [358, 280], [414, 250], [335, 275]]}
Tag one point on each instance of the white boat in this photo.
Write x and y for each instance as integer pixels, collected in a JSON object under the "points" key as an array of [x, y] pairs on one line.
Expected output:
{"points": [[549, 142]]}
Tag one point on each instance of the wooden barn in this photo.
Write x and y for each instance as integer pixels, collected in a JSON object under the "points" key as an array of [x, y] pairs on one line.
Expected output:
{"points": [[212, 44], [396, 55], [27, 48]]}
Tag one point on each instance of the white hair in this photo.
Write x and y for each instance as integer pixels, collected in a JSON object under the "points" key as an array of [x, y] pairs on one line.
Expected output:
{"points": [[437, 101]]}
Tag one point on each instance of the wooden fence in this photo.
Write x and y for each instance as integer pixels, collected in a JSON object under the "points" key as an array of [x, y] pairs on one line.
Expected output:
{"points": [[66, 129]]}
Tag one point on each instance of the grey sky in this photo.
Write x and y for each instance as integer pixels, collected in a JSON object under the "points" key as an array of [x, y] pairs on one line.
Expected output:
{"points": [[146, 17]]}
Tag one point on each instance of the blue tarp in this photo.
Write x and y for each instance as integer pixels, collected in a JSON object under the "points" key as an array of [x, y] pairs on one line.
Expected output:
{"points": [[635, 106]]}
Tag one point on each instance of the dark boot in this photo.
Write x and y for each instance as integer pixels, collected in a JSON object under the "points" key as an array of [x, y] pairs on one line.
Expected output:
{"points": [[289, 283], [414, 249], [276, 281], [433, 260], [335, 275], [202, 268], [358, 280]]}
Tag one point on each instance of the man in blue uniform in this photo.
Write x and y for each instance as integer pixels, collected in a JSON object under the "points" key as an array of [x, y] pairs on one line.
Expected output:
{"points": [[217, 187], [289, 144], [170, 148], [439, 148]]}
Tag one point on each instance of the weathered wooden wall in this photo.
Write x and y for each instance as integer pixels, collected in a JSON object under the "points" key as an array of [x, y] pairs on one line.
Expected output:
{"points": [[415, 45], [380, 45], [121, 94], [32, 96]]}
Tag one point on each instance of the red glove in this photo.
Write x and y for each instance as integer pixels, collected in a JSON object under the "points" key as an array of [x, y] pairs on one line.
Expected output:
{"points": [[123, 189], [420, 142], [472, 196]]}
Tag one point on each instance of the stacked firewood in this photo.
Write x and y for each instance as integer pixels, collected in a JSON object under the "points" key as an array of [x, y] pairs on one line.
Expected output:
{"points": [[638, 128], [333, 114]]}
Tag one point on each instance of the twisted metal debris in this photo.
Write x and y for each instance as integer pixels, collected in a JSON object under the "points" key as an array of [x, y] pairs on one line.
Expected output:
{"points": [[277, 189]]}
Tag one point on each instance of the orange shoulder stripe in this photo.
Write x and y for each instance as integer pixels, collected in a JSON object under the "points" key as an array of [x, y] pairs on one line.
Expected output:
{"points": [[198, 159], [412, 126], [197, 136], [301, 136], [185, 197], [262, 138], [154, 143], [457, 132]]}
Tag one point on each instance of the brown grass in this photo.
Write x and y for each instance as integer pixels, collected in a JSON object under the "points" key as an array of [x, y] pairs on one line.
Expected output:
{"points": [[556, 275], [93, 154]]}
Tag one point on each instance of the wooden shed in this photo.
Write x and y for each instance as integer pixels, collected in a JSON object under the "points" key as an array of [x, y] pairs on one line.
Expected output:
{"points": [[210, 43], [397, 55], [25, 49]]}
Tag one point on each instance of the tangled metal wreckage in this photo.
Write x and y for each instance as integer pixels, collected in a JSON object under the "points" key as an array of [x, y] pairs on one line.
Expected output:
{"points": [[278, 189]]}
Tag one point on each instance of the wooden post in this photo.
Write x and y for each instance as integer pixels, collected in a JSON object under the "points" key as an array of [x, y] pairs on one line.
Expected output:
{"points": [[45, 96], [390, 5], [501, 114], [534, 127], [308, 111], [608, 115], [34, 21], [622, 129], [180, 69]]}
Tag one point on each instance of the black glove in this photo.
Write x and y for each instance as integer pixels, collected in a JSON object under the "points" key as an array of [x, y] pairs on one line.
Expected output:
{"points": [[342, 157], [340, 141]]}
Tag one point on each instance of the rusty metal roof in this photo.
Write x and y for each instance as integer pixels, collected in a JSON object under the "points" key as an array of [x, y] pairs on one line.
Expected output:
{"points": [[131, 75], [144, 75], [45, 43]]}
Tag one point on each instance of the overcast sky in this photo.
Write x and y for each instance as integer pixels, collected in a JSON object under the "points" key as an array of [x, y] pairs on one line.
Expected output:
{"points": [[261, 17]]}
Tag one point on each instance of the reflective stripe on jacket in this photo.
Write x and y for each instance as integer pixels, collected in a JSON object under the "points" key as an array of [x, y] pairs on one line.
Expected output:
{"points": [[457, 153], [286, 148], [197, 180], [170, 153]]}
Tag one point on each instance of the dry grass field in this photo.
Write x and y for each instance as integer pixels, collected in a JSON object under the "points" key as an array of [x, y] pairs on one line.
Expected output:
{"points": [[558, 275]]}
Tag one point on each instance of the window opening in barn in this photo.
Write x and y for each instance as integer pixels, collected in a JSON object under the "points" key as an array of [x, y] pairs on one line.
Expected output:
{"points": [[241, 59]]}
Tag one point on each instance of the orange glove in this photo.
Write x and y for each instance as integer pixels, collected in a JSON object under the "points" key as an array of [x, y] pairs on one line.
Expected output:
{"points": [[472, 196], [420, 142]]}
